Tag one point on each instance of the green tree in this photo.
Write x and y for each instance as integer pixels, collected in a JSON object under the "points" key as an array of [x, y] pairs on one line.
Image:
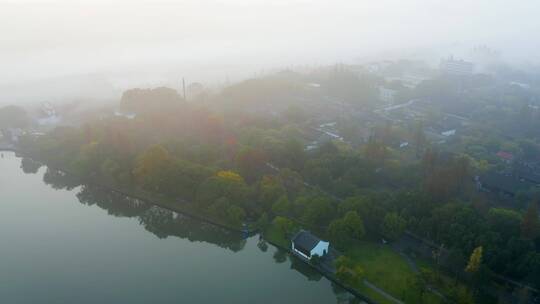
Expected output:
{"points": [[392, 226], [150, 167], [235, 214], [505, 222], [415, 290], [270, 190], [530, 225], [460, 294], [342, 230], [294, 155], [88, 159], [110, 168], [284, 225], [317, 212], [348, 272], [150, 100], [375, 150], [419, 138], [224, 184], [315, 260], [282, 206], [263, 222], [292, 181], [354, 203], [354, 225], [455, 262], [251, 163]]}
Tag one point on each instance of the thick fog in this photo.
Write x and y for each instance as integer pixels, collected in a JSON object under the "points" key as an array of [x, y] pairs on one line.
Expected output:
{"points": [[61, 49]]}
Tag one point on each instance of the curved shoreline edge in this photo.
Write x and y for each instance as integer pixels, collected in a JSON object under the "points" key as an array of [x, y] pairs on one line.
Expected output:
{"points": [[155, 202]]}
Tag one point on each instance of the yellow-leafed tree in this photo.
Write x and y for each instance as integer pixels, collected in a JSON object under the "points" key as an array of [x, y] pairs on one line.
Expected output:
{"points": [[475, 260]]}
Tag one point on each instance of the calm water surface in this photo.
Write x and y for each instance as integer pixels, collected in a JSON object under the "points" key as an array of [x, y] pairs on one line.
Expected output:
{"points": [[65, 243]]}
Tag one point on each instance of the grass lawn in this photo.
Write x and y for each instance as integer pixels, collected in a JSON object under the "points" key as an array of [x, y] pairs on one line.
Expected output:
{"points": [[372, 294], [386, 269], [446, 281], [382, 266], [389, 271]]}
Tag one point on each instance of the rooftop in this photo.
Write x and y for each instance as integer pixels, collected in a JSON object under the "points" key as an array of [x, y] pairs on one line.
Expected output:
{"points": [[527, 173], [305, 240], [506, 183], [505, 155]]}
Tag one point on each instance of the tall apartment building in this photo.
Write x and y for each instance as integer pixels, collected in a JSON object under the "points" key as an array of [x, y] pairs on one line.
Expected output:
{"points": [[456, 67]]}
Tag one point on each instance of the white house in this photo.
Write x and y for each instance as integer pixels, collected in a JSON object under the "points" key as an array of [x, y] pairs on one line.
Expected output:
{"points": [[387, 95], [449, 132], [307, 245], [125, 115]]}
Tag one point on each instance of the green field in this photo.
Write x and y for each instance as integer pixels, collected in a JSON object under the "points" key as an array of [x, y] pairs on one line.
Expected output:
{"points": [[383, 267], [386, 269]]}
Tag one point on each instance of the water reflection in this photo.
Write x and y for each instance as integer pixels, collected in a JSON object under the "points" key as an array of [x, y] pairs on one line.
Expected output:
{"points": [[262, 245], [164, 223], [305, 269], [30, 166], [280, 256], [115, 204], [159, 221], [59, 180]]}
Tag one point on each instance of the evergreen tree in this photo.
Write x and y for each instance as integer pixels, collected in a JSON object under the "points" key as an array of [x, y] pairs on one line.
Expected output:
{"points": [[530, 225], [419, 138]]}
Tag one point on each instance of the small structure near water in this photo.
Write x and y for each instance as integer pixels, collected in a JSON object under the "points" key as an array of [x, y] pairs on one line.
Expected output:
{"points": [[308, 245]]}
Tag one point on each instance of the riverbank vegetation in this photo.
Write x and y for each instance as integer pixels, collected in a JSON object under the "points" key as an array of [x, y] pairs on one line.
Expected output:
{"points": [[245, 167]]}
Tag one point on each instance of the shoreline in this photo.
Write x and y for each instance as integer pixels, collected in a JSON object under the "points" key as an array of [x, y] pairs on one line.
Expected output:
{"points": [[147, 198], [156, 202], [326, 274]]}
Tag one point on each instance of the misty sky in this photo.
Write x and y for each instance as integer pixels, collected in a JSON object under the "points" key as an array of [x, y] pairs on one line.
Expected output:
{"points": [[40, 38]]}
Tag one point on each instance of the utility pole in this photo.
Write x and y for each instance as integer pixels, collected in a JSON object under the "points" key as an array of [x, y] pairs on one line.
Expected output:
{"points": [[184, 87]]}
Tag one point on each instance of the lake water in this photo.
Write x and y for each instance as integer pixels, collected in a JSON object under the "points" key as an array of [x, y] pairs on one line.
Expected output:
{"points": [[65, 243]]}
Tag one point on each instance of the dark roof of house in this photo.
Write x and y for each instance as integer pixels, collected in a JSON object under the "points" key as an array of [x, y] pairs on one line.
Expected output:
{"points": [[506, 183], [446, 124], [505, 155], [305, 240], [527, 173]]}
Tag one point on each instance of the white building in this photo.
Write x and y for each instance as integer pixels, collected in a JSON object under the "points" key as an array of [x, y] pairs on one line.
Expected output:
{"points": [[449, 132], [307, 245], [125, 115], [520, 84], [410, 81], [452, 66], [387, 95]]}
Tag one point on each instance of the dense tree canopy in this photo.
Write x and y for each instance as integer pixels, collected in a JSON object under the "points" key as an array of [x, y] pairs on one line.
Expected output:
{"points": [[242, 165]]}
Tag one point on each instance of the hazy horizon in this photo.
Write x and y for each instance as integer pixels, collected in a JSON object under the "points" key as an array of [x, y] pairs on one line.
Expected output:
{"points": [[129, 43], [270, 151]]}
